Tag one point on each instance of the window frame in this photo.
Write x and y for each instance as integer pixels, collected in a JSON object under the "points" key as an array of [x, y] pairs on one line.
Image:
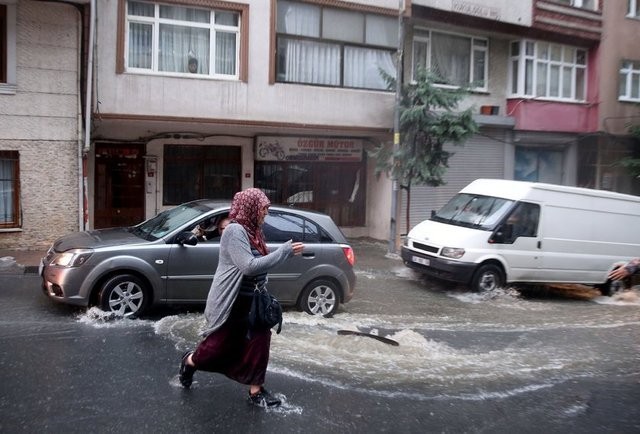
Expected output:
{"points": [[367, 14], [424, 36], [633, 9], [580, 4], [8, 60], [14, 157], [629, 69], [241, 31], [526, 86]]}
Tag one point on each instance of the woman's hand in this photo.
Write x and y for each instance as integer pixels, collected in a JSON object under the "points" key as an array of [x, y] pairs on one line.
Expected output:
{"points": [[619, 273], [297, 248]]}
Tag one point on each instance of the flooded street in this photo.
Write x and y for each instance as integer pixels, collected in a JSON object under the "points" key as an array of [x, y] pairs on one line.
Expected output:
{"points": [[465, 362], [452, 343]]}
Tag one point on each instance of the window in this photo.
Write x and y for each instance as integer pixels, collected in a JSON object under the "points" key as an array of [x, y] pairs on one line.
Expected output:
{"points": [[334, 47], [336, 189], [584, 4], [197, 172], [8, 48], [541, 69], [9, 189], [182, 40], [634, 8], [522, 222], [281, 227], [629, 86], [456, 60], [538, 165]]}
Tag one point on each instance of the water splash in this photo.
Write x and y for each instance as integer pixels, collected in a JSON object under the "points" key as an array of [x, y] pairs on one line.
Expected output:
{"points": [[98, 318]]}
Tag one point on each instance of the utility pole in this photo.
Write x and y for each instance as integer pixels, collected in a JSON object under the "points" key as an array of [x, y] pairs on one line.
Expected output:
{"points": [[395, 189]]}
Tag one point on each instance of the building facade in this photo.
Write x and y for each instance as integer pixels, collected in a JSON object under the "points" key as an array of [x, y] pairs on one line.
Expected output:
{"points": [[201, 98], [40, 122]]}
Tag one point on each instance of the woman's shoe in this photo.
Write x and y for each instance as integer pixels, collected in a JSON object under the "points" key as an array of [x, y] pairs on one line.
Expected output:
{"points": [[186, 371], [264, 399]]}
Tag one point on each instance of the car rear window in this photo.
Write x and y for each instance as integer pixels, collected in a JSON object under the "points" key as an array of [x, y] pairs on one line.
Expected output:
{"points": [[282, 227]]}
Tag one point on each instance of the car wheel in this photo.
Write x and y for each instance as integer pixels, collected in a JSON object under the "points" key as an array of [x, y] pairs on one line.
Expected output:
{"points": [[125, 295], [320, 297], [487, 277]]}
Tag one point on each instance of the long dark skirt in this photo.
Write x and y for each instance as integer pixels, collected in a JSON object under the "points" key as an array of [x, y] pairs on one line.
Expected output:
{"points": [[234, 352]]}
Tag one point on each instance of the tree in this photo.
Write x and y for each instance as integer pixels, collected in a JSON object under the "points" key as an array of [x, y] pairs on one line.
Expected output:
{"points": [[630, 163], [427, 122]]}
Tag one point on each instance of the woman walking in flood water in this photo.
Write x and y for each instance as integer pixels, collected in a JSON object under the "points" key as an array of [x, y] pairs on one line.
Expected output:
{"points": [[230, 347]]}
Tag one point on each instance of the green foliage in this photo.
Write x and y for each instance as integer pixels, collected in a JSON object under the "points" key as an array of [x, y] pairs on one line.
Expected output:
{"points": [[427, 122], [632, 164]]}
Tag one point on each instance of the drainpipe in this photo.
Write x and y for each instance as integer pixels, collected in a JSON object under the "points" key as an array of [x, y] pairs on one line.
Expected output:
{"points": [[395, 189], [79, 121], [84, 209]]}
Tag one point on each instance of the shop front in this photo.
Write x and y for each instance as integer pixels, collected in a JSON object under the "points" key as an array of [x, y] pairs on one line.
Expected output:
{"points": [[325, 174]]}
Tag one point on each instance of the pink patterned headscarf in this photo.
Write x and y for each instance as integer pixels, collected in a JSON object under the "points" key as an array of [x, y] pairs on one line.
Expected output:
{"points": [[245, 209]]}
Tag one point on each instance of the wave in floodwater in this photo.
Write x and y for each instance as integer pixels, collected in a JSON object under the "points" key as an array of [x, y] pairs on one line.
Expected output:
{"points": [[422, 366], [440, 355]]}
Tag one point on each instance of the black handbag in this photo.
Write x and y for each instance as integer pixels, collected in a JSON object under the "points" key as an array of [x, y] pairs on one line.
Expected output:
{"points": [[265, 311]]}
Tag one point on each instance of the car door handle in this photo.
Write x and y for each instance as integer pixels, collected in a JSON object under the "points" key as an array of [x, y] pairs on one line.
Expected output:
{"points": [[309, 255]]}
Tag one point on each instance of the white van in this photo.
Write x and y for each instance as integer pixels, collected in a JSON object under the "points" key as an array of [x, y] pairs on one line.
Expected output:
{"points": [[498, 231]]}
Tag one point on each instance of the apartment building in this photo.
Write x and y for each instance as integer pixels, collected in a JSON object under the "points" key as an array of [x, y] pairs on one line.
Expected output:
{"points": [[201, 98], [40, 121]]}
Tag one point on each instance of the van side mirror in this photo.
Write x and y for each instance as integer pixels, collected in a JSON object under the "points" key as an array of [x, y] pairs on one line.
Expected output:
{"points": [[187, 238], [503, 232]]}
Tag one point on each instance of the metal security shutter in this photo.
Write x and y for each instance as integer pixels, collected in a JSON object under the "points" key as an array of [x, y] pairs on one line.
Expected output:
{"points": [[482, 156]]}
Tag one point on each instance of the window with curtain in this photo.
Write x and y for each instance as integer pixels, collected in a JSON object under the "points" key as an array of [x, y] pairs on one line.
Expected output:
{"points": [[455, 60], [9, 189], [629, 81], [173, 39], [634, 9], [542, 69], [198, 172], [334, 47]]}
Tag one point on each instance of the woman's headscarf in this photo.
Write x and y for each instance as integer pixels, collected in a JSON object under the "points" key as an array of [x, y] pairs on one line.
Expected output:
{"points": [[245, 210]]}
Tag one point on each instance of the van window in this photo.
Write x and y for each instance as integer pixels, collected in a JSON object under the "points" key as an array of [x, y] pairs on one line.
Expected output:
{"points": [[475, 211], [521, 222]]}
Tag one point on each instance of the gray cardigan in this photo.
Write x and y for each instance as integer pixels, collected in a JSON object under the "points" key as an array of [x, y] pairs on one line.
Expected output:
{"points": [[236, 260]]}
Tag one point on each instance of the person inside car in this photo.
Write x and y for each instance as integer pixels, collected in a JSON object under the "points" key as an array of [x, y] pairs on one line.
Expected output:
{"points": [[208, 230]]}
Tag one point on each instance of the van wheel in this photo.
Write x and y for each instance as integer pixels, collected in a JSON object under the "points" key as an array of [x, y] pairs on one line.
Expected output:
{"points": [[488, 277]]}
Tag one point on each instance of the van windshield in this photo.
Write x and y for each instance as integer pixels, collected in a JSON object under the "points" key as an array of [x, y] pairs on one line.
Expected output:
{"points": [[473, 211]]}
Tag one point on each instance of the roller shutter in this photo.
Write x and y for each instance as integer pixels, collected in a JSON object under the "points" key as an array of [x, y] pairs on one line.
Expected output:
{"points": [[481, 157]]}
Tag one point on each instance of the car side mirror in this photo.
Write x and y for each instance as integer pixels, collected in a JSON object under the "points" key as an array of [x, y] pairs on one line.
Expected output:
{"points": [[187, 238]]}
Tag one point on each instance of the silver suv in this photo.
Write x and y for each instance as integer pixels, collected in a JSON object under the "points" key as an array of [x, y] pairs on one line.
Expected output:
{"points": [[161, 261]]}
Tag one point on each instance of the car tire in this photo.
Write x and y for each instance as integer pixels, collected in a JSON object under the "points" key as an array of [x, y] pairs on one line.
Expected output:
{"points": [[124, 295], [320, 297], [488, 277]]}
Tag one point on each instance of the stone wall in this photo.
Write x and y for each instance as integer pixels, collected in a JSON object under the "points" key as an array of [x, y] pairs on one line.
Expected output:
{"points": [[41, 121]]}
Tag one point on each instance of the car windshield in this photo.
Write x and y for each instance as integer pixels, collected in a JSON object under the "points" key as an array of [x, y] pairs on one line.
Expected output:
{"points": [[472, 210], [168, 221]]}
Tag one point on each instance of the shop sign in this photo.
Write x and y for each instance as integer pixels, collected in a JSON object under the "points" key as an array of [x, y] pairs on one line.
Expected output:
{"points": [[329, 149]]}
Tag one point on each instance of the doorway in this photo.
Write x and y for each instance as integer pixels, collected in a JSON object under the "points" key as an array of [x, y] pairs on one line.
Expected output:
{"points": [[119, 185]]}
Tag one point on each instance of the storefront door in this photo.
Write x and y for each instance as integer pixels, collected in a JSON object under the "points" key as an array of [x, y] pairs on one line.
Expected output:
{"points": [[119, 185]]}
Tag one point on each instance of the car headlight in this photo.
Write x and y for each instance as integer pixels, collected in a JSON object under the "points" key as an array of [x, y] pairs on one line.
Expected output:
{"points": [[72, 258], [452, 252]]}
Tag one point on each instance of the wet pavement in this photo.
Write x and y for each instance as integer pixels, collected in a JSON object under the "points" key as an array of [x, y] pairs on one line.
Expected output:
{"points": [[465, 362]]}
